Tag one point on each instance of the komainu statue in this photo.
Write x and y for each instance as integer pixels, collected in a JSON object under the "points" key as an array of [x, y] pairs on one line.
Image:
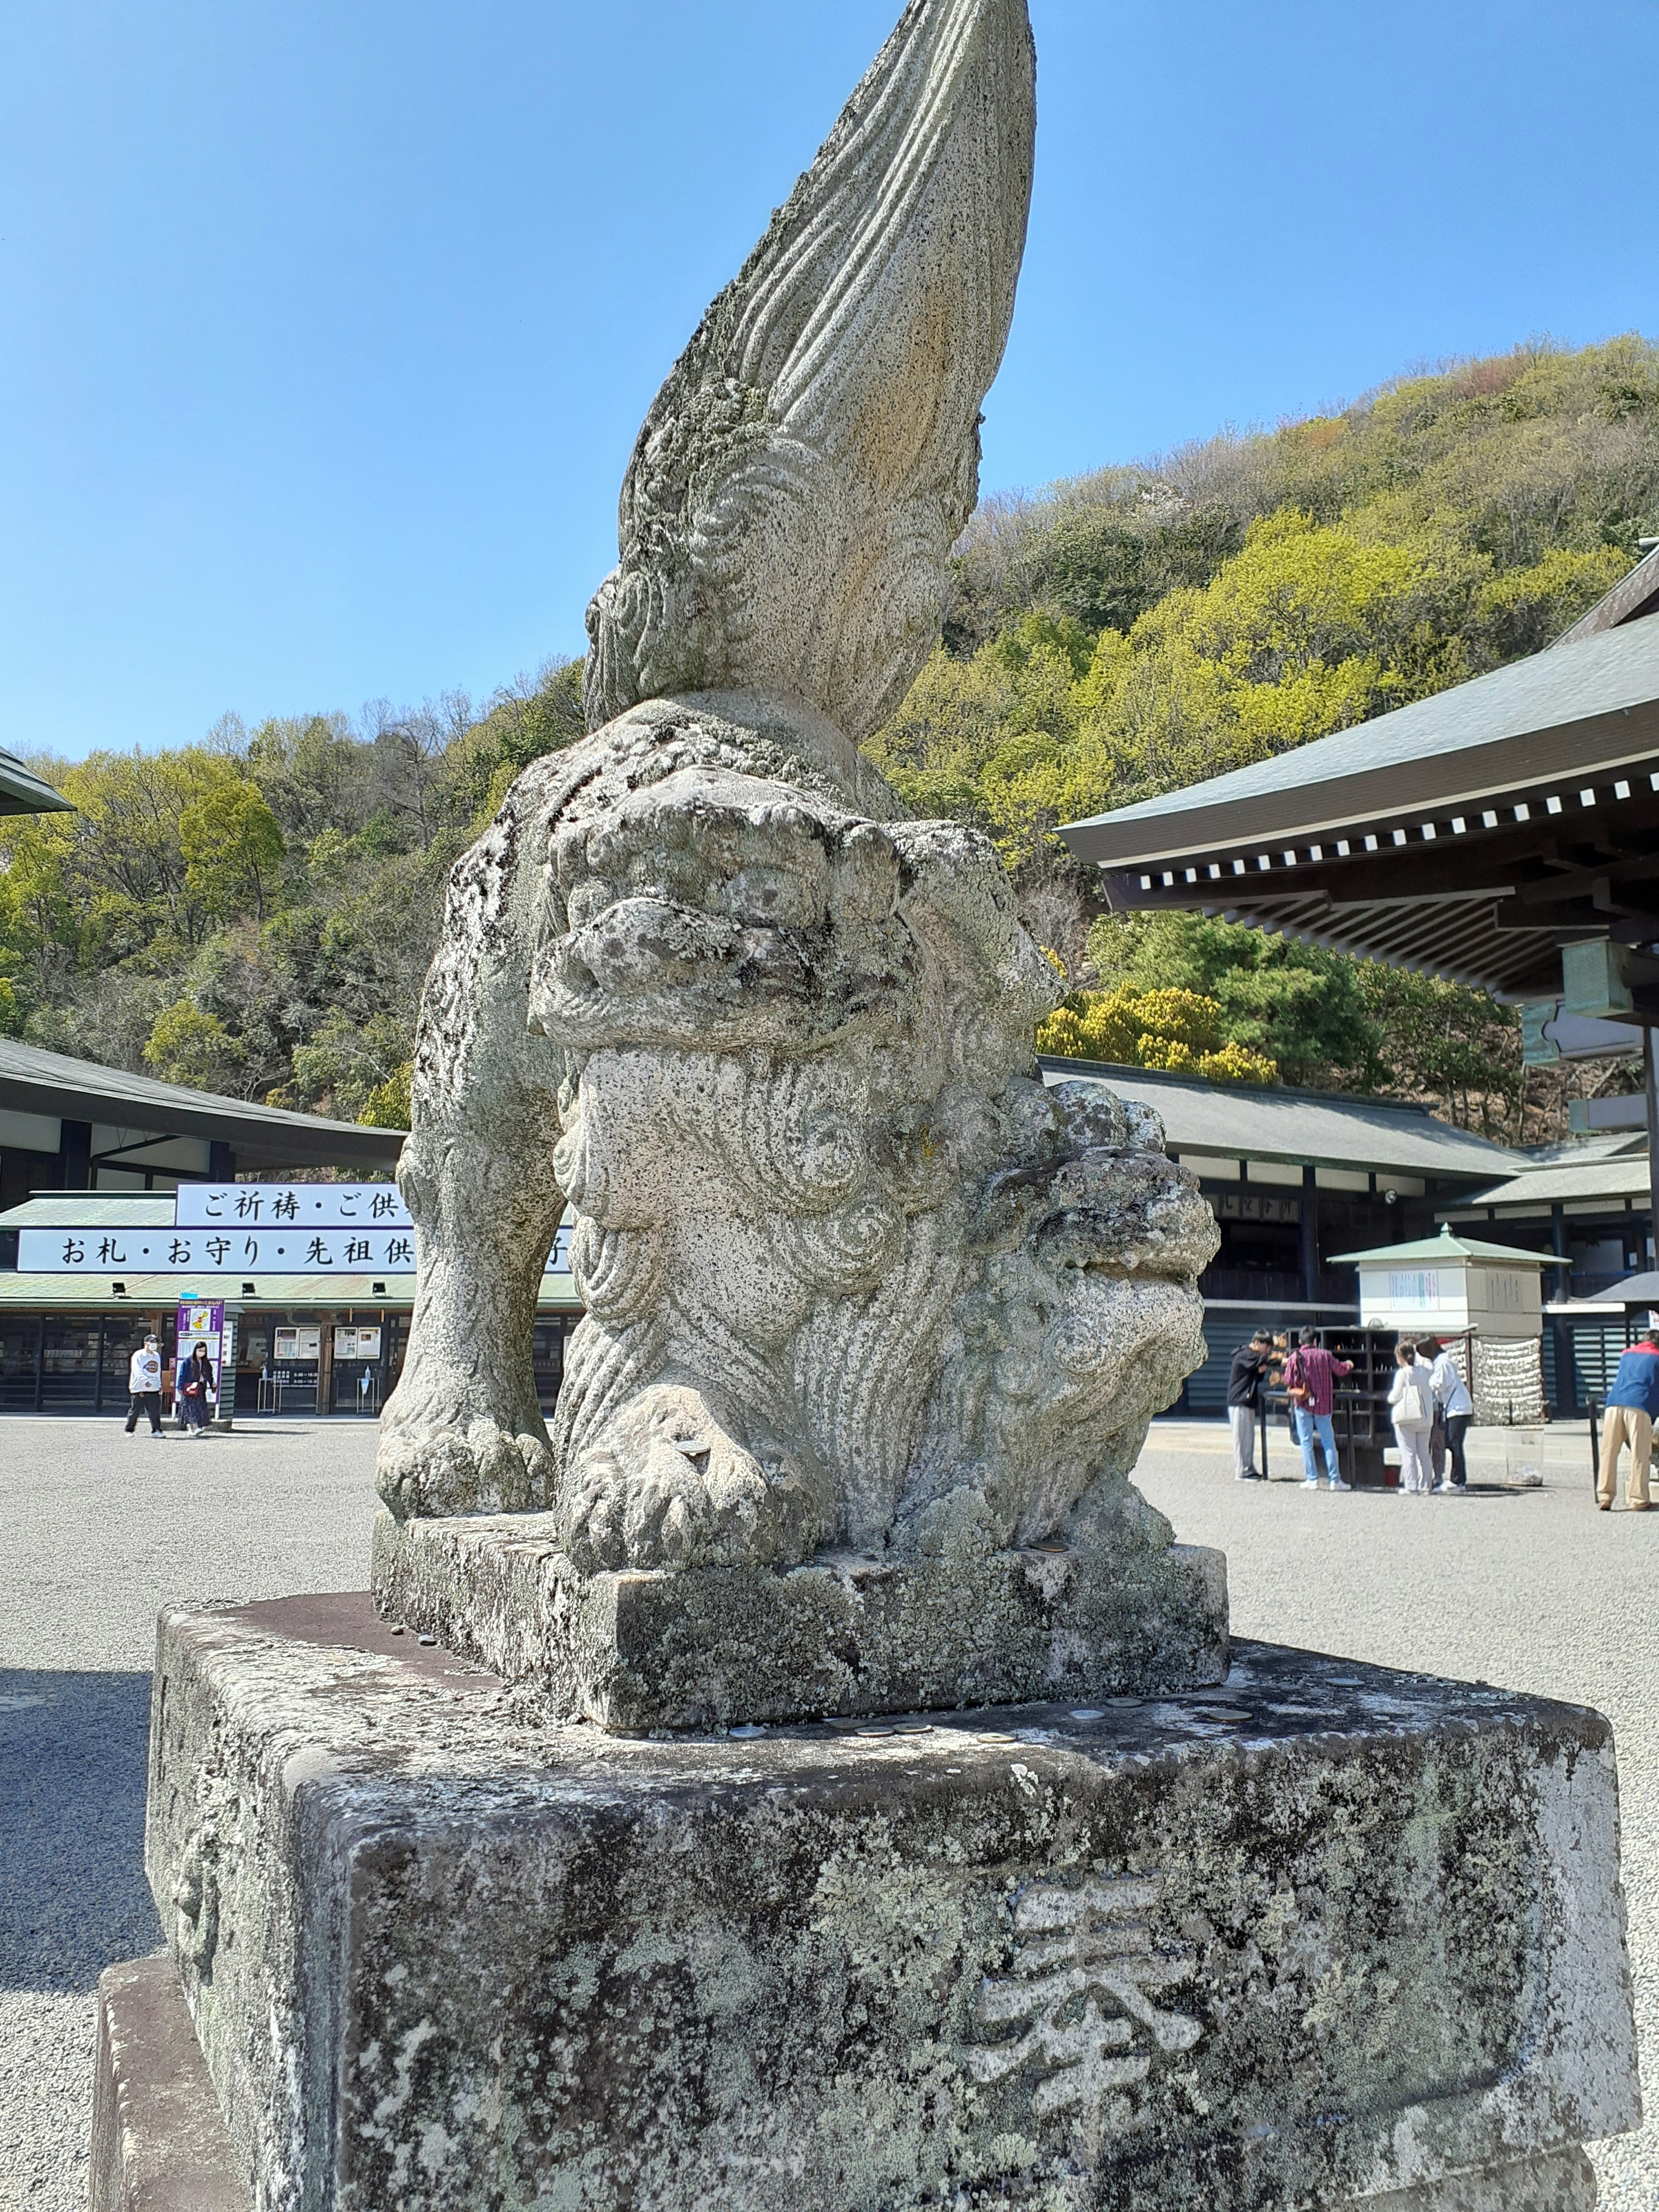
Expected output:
{"points": [[855, 1279]]}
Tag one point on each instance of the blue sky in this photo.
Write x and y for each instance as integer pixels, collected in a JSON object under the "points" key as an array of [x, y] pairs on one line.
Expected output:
{"points": [[325, 326]]}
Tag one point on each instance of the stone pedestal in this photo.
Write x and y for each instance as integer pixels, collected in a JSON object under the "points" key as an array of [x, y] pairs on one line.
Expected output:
{"points": [[716, 1646], [1322, 1937], [158, 2142]]}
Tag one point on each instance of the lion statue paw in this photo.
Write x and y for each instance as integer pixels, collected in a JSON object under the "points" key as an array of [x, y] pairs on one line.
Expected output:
{"points": [[666, 1486], [474, 1460]]}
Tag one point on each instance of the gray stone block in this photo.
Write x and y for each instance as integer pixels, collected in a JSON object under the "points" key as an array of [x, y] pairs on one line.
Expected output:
{"points": [[1561, 2183], [158, 2142], [1323, 1934], [713, 1647]]}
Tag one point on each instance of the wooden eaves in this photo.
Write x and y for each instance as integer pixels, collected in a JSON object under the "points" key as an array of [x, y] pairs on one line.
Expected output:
{"points": [[1468, 835]]}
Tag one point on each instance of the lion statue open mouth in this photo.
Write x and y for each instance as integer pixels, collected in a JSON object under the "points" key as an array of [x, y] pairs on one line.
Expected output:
{"points": [[853, 1278]]}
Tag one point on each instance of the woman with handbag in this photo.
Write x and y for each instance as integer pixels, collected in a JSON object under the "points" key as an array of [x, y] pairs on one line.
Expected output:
{"points": [[196, 1392], [1411, 1400]]}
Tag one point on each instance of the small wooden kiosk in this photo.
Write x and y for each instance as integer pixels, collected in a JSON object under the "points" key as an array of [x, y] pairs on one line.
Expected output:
{"points": [[1485, 1303]]}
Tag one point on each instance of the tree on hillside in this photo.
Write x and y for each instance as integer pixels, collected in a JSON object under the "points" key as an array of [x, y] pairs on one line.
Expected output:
{"points": [[257, 914], [1439, 1040], [1178, 1031], [1300, 1007], [233, 853]]}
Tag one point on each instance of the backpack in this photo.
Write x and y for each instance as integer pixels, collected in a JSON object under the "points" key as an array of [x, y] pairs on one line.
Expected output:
{"points": [[1413, 1411]]}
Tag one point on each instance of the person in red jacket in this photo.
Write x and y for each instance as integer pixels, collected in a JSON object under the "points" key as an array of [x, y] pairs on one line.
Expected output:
{"points": [[1311, 1375], [1632, 1402]]}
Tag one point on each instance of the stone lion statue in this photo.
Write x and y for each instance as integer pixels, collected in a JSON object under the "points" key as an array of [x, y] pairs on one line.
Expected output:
{"points": [[854, 1276]]}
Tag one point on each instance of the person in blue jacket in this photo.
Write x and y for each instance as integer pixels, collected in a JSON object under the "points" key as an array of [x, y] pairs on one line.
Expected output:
{"points": [[1632, 1404]]}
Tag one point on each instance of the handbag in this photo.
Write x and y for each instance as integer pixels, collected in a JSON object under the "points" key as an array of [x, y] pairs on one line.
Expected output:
{"points": [[1412, 1411]]}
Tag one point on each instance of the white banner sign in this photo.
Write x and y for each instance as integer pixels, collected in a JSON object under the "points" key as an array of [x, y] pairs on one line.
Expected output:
{"points": [[290, 1205], [277, 1251]]}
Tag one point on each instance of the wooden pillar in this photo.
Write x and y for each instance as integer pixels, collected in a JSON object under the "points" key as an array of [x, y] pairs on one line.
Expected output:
{"points": [[1566, 1374], [74, 1155], [1310, 1236]]}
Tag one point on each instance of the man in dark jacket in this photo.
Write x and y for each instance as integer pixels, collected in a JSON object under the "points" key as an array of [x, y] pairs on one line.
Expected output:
{"points": [[1632, 1403], [1251, 1364]]}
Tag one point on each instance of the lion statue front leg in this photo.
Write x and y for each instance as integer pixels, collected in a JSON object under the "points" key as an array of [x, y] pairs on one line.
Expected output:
{"points": [[463, 1432]]}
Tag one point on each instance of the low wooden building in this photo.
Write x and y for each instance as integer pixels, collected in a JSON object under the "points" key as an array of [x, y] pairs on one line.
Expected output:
{"points": [[313, 1308], [70, 1124], [1296, 1178]]}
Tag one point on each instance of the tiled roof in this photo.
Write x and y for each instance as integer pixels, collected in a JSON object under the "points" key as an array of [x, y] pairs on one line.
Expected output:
{"points": [[1324, 1129]]}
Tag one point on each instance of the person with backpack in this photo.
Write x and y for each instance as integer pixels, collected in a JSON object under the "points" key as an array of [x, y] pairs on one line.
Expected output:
{"points": [[1311, 1375], [1628, 1418], [1410, 1398]]}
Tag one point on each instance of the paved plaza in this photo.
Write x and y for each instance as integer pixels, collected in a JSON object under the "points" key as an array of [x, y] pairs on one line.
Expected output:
{"points": [[1531, 1589]]}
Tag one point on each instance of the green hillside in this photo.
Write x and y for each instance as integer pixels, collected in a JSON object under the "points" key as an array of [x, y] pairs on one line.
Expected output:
{"points": [[1148, 627], [254, 913]]}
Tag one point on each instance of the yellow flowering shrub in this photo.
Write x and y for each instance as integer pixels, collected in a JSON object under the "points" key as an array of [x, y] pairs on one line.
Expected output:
{"points": [[1177, 1029]]}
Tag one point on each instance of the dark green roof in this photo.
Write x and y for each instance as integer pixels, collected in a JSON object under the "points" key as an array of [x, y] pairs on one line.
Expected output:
{"points": [[1274, 1121], [1445, 1246], [36, 1082], [1585, 705], [23, 793], [1471, 835], [92, 1209]]}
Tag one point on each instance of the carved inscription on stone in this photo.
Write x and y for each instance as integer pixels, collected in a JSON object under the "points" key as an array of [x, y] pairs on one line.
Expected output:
{"points": [[1080, 2002]]}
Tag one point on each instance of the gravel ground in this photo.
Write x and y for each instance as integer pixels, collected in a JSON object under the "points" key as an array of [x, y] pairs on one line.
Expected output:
{"points": [[1533, 1589], [101, 1530]]}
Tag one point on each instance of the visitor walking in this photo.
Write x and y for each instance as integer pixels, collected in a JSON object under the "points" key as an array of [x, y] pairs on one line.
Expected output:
{"points": [[195, 1392], [1311, 1375], [1628, 1419], [1454, 1406], [1410, 1401], [1251, 1364], [144, 1385]]}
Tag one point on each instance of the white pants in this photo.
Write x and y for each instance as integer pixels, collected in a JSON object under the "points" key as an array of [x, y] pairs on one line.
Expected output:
{"points": [[1242, 1419], [1414, 1470]]}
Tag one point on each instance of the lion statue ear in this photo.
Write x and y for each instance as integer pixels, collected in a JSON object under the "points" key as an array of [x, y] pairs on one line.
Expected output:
{"points": [[788, 514]]}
